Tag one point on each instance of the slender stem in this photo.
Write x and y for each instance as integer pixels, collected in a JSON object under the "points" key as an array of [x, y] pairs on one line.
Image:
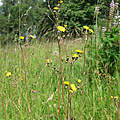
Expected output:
{"points": [[61, 76], [84, 61], [84, 71], [26, 79], [69, 95], [58, 95], [3, 107], [118, 110]]}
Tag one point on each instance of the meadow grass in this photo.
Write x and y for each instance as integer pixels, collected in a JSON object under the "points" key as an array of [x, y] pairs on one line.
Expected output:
{"points": [[96, 104]]}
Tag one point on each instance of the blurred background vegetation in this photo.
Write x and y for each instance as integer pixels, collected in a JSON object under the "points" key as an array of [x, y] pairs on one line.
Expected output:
{"points": [[18, 17]]}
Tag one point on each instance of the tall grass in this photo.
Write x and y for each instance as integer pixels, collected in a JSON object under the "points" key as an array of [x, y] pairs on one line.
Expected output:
{"points": [[42, 83]]}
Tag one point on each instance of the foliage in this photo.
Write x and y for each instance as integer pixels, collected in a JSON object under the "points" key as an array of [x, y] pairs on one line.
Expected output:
{"points": [[34, 17], [109, 52]]}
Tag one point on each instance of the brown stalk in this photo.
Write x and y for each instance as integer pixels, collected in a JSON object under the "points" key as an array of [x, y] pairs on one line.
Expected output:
{"points": [[61, 69], [26, 79], [84, 62]]}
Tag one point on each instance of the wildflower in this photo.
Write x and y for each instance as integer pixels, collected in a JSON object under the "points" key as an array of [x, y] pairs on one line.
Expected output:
{"points": [[60, 1], [86, 27], [79, 51], [115, 97], [32, 36], [79, 81], [91, 30], [112, 97], [66, 83], [65, 26], [71, 91], [61, 28], [21, 37], [8, 74], [75, 57], [48, 61], [73, 87], [56, 8]]}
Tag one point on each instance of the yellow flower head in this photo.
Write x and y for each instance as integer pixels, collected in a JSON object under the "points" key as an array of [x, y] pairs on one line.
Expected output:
{"points": [[61, 28], [79, 51], [65, 26], [91, 30], [73, 87], [66, 83], [32, 36], [112, 97], [8, 74], [71, 91], [56, 8], [21, 37], [79, 81], [115, 97], [86, 27], [48, 61], [60, 1], [75, 56]]}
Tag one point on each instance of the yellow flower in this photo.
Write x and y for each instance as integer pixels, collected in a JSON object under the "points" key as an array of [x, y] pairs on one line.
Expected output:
{"points": [[48, 61], [56, 8], [60, 1], [79, 51], [73, 87], [91, 30], [79, 81], [75, 56], [8, 74], [61, 28], [21, 37], [71, 91], [66, 83], [86, 27], [32, 36], [65, 26], [112, 97], [115, 97]]}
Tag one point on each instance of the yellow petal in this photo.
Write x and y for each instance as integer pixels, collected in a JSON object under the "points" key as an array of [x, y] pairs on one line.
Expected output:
{"points": [[21, 37], [79, 51], [8, 74], [60, 1], [61, 28], [32, 36], [66, 83], [75, 56], [86, 27], [73, 87], [79, 81], [91, 30], [56, 8]]}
